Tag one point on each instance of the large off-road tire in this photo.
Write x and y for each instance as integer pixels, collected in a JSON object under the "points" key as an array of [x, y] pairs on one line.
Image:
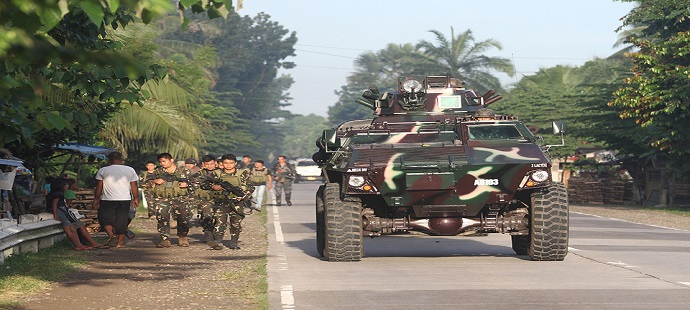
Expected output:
{"points": [[320, 221], [343, 226], [549, 224], [520, 244]]}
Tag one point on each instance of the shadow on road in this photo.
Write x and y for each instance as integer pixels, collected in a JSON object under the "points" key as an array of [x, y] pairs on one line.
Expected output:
{"points": [[418, 245]]}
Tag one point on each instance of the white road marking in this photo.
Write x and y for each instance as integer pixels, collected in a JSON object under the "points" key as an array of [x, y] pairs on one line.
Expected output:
{"points": [[685, 283], [571, 249], [621, 264], [287, 299], [276, 225]]}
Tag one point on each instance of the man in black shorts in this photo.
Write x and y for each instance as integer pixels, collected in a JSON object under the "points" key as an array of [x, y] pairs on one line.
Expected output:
{"points": [[116, 192]]}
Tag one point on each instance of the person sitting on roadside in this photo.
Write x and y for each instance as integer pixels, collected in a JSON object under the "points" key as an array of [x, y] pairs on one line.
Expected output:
{"points": [[58, 206]]}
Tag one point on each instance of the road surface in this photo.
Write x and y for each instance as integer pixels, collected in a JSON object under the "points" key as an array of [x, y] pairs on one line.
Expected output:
{"points": [[611, 264]]}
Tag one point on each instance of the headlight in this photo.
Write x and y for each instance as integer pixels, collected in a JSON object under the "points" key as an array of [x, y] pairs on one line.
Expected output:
{"points": [[412, 84], [540, 176], [356, 181]]}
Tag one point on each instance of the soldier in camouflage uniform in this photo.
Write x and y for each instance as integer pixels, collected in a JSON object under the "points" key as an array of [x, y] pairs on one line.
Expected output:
{"points": [[147, 187], [231, 203], [209, 192], [283, 174], [171, 191]]}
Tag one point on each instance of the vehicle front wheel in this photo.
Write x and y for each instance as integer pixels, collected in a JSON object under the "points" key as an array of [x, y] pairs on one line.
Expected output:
{"points": [[343, 235], [320, 221], [549, 224], [520, 244]]}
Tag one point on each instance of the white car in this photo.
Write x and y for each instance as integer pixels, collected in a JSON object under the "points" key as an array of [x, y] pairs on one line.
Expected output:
{"points": [[307, 170]]}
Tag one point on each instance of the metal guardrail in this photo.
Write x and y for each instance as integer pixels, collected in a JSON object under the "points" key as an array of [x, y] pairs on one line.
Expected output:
{"points": [[29, 233]]}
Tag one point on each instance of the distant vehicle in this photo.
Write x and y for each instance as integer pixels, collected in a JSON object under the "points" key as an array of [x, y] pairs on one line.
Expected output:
{"points": [[307, 170]]}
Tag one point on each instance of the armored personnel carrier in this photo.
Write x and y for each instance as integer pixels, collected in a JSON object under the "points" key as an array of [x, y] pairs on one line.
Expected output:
{"points": [[435, 160]]}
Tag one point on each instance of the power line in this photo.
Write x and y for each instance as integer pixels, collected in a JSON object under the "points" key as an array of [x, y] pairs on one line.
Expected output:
{"points": [[326, 54], [333, 47]]}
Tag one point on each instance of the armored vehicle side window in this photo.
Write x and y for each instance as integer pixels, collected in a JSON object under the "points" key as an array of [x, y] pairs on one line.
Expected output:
{"points": [[494, 132], [449, 102]]}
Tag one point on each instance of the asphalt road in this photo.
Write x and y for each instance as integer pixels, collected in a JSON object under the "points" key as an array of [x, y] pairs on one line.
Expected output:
{"points": [[611, 264]]}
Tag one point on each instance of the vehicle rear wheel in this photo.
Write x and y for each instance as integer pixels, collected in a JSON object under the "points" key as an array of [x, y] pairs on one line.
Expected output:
{"points": [[520, 244], [343, 226], [549, 224], [320, 221]]}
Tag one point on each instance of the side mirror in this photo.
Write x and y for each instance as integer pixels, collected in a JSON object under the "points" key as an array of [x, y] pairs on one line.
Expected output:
{"points": [[332, 141], [558, 127]]}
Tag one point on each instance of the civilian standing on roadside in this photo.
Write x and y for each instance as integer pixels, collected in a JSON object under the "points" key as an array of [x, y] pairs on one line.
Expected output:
{"points": [[116, 192], [261, 179]]}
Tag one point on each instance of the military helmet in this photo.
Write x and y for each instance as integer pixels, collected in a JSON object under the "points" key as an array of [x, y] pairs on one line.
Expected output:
{"points": [[484, 113]]}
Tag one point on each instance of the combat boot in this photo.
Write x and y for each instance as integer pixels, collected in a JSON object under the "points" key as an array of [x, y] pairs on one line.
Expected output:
{"points": [[208, 236], [215, 245], [183, 242], [287, 199], [164, 244], [233, 242], [278, 200]]}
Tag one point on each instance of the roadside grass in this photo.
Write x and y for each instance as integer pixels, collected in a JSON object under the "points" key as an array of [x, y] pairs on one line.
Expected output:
{"points": [[28, 273], [249, 284]]}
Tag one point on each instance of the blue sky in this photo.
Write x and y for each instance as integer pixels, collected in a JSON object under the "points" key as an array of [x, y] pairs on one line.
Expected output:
{"points": [[534, 34]]}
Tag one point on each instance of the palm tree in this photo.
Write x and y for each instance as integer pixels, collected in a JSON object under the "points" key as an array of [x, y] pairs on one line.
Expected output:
{"points": [[162, 123], [463, 58], [168, 121], [385, 66]]}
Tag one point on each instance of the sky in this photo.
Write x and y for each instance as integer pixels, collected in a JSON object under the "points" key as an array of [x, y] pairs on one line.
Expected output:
{"points": [[534, 34]]}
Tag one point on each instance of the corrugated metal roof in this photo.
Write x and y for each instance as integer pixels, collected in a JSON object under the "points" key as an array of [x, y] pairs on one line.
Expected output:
{"points": [[97, 151], [11, 162]]}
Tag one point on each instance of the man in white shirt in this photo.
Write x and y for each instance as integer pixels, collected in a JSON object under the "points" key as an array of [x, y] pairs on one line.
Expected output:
{"points": [[116, 192]]}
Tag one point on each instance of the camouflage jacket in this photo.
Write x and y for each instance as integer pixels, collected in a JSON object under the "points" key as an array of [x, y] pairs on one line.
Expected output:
{"points": [[284, 173], [172, 187], [201, 182], [142, 180], [245, 181]]}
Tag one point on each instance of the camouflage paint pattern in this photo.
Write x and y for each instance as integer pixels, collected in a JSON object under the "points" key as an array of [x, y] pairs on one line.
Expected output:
{"points": [[426, 159]]}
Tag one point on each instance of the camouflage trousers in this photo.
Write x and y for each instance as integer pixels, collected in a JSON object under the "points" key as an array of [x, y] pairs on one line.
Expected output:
{"points": [[231, 217], [283, 187], [213, 217], [179, 208], [148, 195]]}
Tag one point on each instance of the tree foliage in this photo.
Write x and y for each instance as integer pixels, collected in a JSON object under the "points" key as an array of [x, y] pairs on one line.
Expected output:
{"points": [[304, 130], [657, 96], [62, 75], [250, 50], [463, 58], [460, 57]]}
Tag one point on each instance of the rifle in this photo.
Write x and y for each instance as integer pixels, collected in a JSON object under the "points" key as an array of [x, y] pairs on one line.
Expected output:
{"points": [[166, 177], [206, 182]]}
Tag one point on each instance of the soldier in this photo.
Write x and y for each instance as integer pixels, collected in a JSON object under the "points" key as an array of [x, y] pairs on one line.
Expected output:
{"points": [[146, 187], [171, 191], [232, 203], [209, 192], [190, 163], [283, 174], [484, 114], [246, 163], [261, 179]]}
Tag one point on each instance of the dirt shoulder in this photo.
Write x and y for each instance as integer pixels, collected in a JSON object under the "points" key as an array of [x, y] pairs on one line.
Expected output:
{"points": [[142, 276], [658, 217]]}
